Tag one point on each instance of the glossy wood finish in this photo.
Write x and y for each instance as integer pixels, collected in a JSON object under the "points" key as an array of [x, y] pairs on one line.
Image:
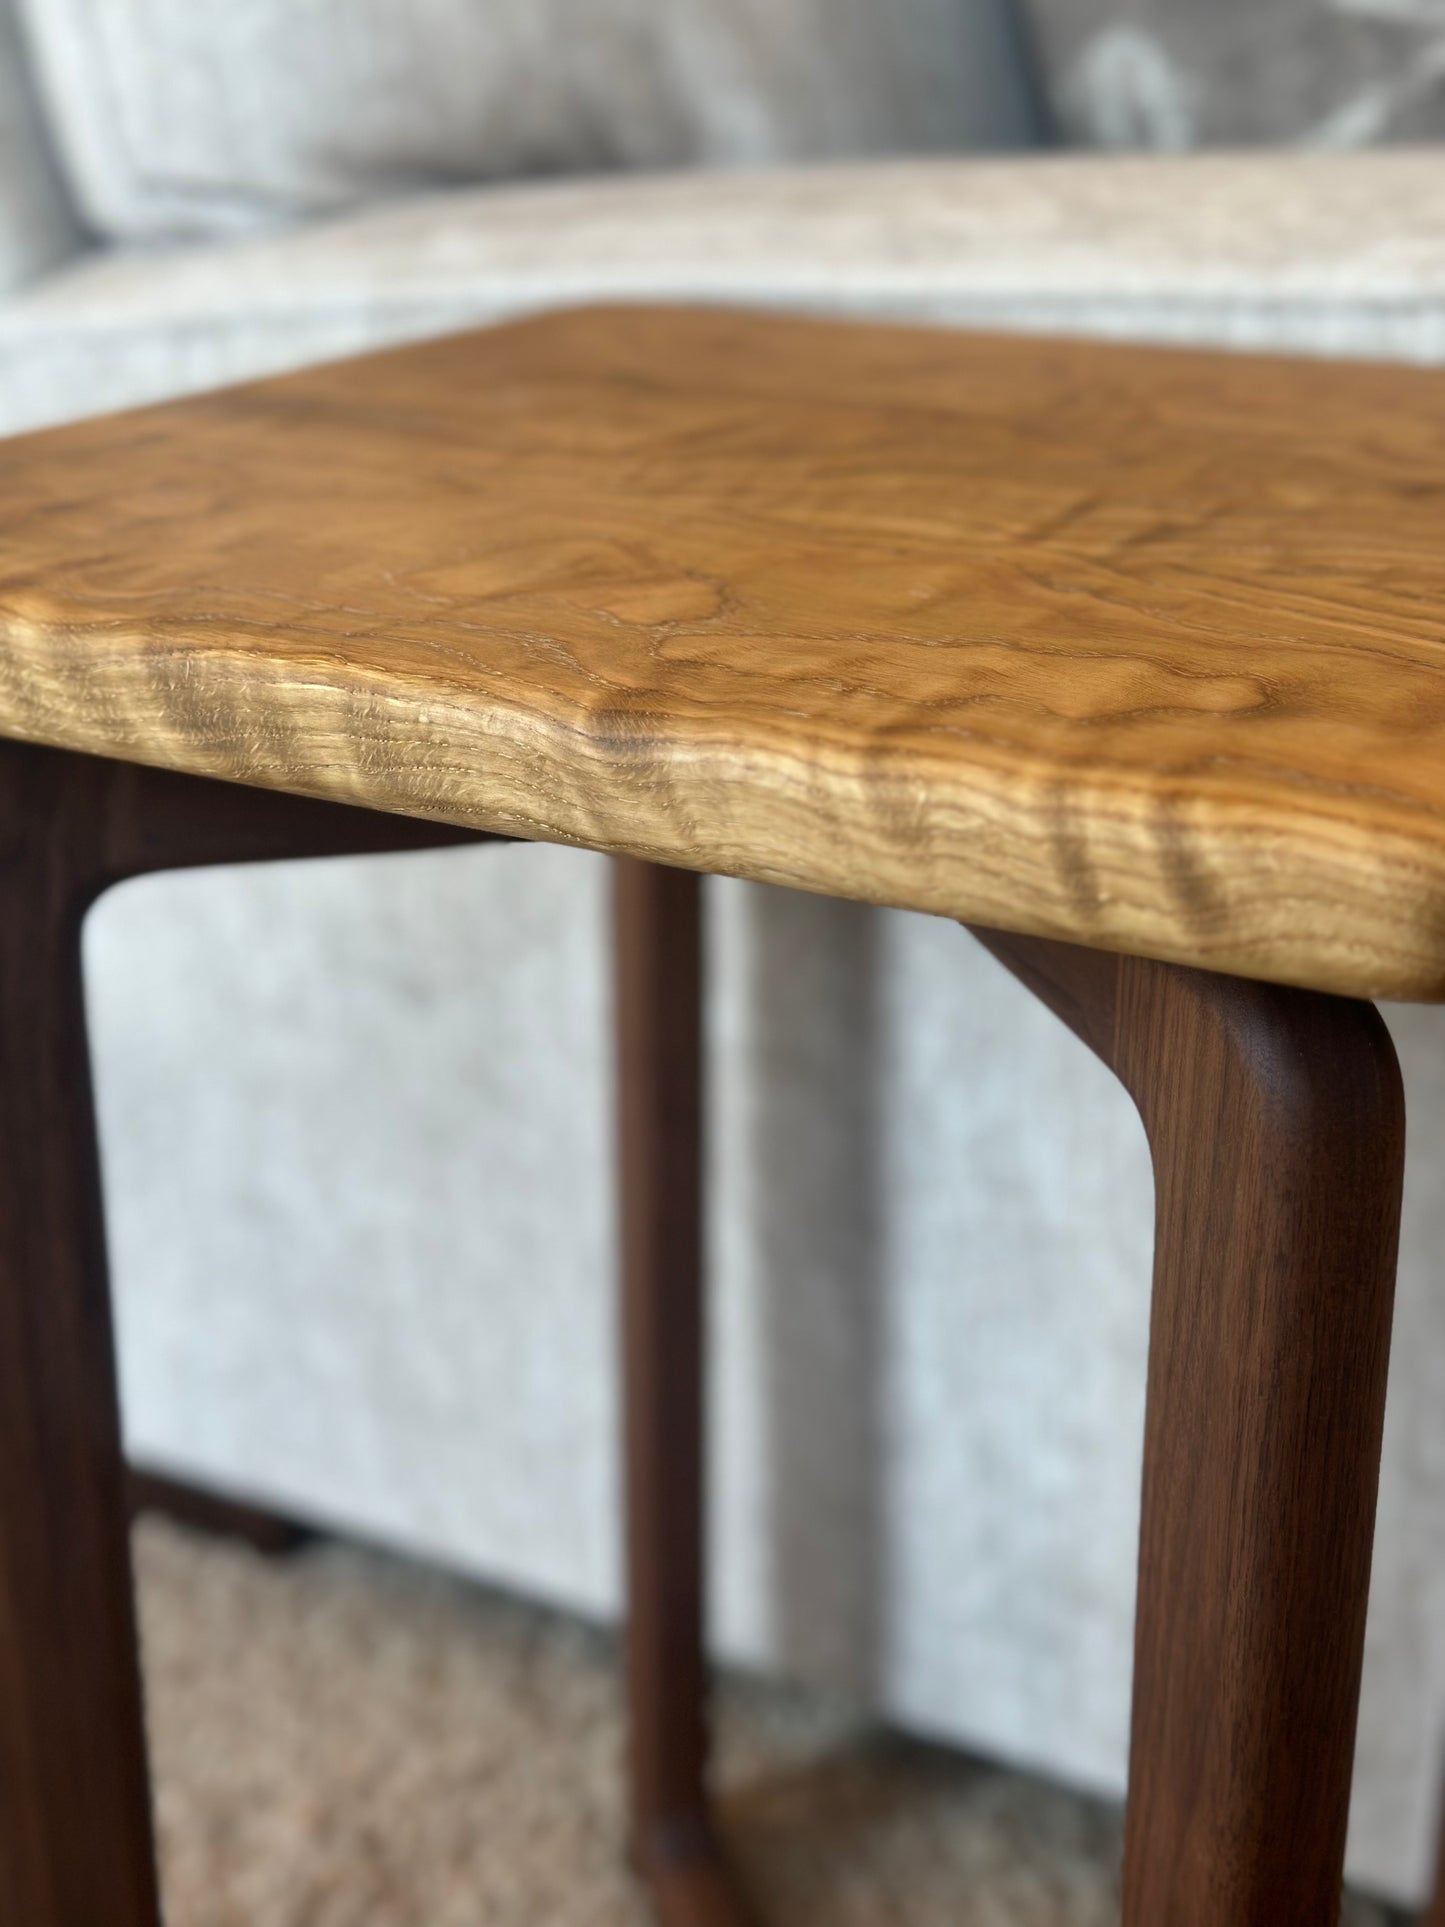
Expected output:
{"points": [[657, 951], [1138, 648], [1276, 1123], [75, 1836]]}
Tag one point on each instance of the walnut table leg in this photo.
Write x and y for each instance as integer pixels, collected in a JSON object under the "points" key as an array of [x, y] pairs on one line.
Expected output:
{"points": [[1276, 1122], [75, 1827], [658, 964]]}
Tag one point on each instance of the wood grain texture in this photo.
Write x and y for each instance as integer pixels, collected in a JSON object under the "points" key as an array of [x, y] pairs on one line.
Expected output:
{"points": [[1276, 1122], [1137, 648]]}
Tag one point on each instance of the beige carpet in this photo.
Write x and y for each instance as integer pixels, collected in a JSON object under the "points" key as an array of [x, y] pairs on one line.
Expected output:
{"points": [[344, 1740]]}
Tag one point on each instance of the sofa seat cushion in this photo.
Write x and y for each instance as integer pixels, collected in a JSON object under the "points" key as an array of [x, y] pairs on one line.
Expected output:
{"points": [[180, 118], [1317, 253]]}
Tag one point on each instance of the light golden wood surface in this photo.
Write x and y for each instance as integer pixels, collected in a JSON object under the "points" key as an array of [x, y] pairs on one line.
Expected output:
{"points": [[1141, 649]]}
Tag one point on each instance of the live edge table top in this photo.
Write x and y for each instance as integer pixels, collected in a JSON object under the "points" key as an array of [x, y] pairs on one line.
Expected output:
{"points": [[1138, 648]]}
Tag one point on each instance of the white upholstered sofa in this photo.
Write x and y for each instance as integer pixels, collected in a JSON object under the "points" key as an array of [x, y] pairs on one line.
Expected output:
{"points": [[355, 1115]]}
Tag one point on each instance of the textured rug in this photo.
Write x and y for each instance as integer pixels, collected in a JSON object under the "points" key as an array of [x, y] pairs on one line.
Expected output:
{"points": [[345, 1740]]}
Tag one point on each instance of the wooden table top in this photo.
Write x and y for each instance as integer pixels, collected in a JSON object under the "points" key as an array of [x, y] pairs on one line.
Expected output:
{"points": [[1139, 648]]}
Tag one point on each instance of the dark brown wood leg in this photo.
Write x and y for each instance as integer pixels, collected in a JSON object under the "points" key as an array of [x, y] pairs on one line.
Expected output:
{"points": [[75, 1825], [658, 965], [1276, 1122], [76, 1846], [202, 1510]]}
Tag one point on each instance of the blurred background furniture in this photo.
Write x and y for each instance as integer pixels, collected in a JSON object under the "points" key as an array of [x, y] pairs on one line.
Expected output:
{"points": [[928, 1470]]}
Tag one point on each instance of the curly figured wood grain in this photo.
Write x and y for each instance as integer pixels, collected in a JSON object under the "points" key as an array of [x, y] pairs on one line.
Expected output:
{"points": [[1137, 648]]}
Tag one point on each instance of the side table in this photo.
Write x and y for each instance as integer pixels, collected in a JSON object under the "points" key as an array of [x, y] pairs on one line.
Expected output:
{"points": [[1131, 661]]}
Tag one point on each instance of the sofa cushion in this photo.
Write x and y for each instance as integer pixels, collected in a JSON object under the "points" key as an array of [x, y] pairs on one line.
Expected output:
{"points": [[1320, 253], [1184, 73], [179, 118], [37, 222]]}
